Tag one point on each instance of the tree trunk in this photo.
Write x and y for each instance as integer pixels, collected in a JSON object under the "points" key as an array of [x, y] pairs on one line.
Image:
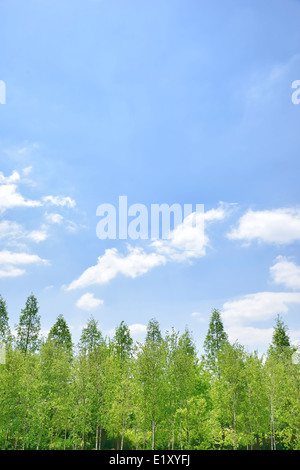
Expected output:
{"points": [[273, 441], [96, 437], [137, 440], [173, 433], [180, 434], [153, 433], [123, 434]]}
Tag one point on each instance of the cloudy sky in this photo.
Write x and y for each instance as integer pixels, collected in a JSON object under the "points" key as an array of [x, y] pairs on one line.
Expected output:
{"points": [[186, 102]]}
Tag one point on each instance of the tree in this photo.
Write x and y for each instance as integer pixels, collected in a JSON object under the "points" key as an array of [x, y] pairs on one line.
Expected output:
{"points": [[181, 375], [282, 382], [56, 407], [91, 338], [151, 363], [215, 339], [60, 334], [230, 390], [90, 384], [280, 339], [29, 327], [4, 327], [122, 342]]}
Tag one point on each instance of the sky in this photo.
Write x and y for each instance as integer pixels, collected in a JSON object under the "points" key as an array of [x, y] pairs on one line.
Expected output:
{"points": [[164, 102]]}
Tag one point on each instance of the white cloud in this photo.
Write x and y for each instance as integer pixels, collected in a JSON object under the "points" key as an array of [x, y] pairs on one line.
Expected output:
{"points": [[10, 271], [281, 226], [286, 272], [13, 178], [10, 229], [10, 198], [219, 213], [54, 218], [89, 302], [10, 262], [137, 329], [38, 235], [196, 314], [7, 258], [249, 335], [200, 317], [26, 171], [258, 307], [59, 201], [11, 232], [136, 263], [189, 240]]}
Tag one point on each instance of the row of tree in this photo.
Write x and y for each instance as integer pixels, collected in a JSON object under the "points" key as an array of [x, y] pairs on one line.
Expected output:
{"points": [[116, 394]]}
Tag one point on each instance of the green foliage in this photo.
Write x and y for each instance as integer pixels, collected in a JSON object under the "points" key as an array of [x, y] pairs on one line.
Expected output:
{"points": [[29, 327], [91, 338], [153, 395], [280, 339], [215, 338], [4, 326], [122, 342], [60, 334]]}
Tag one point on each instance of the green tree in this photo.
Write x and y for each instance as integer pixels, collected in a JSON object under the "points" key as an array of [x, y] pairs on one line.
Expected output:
{"points": [[280, 339], [151, 364], [91, 375], [4, 326], [91, 337], [29, 327], [180, 383], [229, 388], [60, 334], [122, 342], [215, 338], [256, 417]]}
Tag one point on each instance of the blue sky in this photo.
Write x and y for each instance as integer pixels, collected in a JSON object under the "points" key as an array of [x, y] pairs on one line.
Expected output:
{"points": [[164, 102]]}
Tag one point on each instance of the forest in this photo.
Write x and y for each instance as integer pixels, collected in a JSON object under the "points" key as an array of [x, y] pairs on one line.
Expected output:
{"points": [[114, 393]]}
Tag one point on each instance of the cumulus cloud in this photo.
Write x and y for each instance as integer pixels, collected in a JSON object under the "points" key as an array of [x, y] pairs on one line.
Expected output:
{"points": [[88, 302], [10, 262], [286, 272], [136, 263], [54, 218], [12, 232], [26, 171], [59, 201], [10, 271], [249, 335], [38, 235], [13, 178], [258, 307], [280, 226], [137, 329], [189, 240], [11, 198]]}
